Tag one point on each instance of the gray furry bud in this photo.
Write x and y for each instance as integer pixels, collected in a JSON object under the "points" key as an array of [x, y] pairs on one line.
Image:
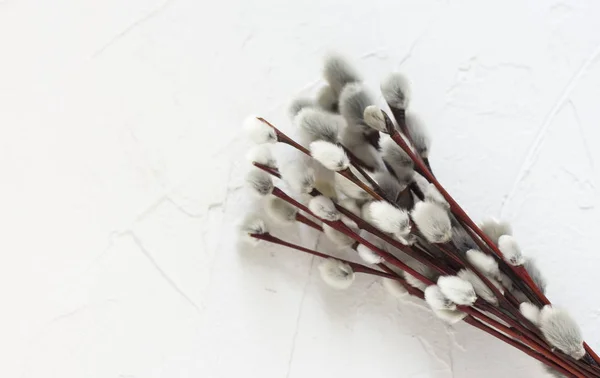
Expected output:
{"points": [[260, 182], [561, 331]]}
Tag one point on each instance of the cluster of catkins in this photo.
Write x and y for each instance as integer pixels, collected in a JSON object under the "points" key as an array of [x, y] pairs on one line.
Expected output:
{"points": [[363, 178]]}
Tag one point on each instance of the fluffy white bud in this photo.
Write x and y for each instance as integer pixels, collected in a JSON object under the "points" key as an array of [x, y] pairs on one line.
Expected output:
{"points": [[317, 124], [354, 99], [414, 281], [484, 263], [434, 196], [330, 155], [374, 118], [388, 218], [258, 131], [481, 289], [349, 188], [457, 290], [262, 154], [327, 98], [398, 160], [280, 211], [323, 208], [437, 300], [535, 274], [252, 224], [298, 176], [365, 253], [561, 331], [531, 312], [338, 72], [494, 229], [298, 104], [336, 273], [433, 222], [396, 90], [418, 133], [511, 250], [260, 182]]}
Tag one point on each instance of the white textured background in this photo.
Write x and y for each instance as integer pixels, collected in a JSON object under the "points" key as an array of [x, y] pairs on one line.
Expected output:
{"points": [[121, 165]]}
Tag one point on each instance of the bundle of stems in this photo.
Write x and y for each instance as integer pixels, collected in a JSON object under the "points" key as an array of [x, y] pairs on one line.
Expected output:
{"points": [[361, 175]]}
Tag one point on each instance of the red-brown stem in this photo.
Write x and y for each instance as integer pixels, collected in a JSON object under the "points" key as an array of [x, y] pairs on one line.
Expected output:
{"points": [[423, 258], [359, 164], [400, 116], [532, 335], [463, 216], [419, 257], [464, 262], [302, 219], [358, 268], [426, 162], [468, 222], [497, 293], [478, 324], [270, 170], [282, 138], [299, 217], [347, 173], [504, 266], [535, 353], [516, 335], [341, 227], [542, 355], [591, 352], [415, 189], [400, 280], [387, 269], [364, 225], [592, 369], [511, 298]]}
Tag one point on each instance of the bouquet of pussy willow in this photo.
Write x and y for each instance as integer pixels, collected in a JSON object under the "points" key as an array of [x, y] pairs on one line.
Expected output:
{"points": [[361, 175]]}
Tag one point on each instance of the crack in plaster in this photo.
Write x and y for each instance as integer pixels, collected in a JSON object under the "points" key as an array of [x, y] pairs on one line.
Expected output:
{"points": [[138, 22], [535, 147], [301, 305], [163, 273]]}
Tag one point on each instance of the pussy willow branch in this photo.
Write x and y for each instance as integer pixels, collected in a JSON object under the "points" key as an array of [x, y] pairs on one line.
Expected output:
{"points": [[468, 222], [427, 260], [456, 209], [536, 338], [497, 293], [339, 226], [364, 225], [421, 257], [505, 269], [548, 358], [400, 116], [356, 267], [543, 356], [478, 324], [347, 173], [463, 216]]}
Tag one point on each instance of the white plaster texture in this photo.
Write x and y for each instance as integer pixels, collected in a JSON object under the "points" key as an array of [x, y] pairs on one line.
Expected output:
{"points": [[122, 165]]}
